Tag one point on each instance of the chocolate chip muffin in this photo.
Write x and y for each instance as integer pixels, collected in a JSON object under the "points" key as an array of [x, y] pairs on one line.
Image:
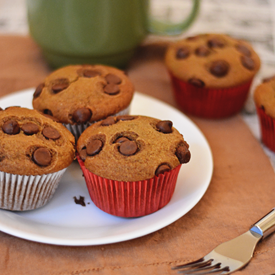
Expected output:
{"points": [[79, 95], [264, 98], [211, 74], [34, 153], [136, 158]]}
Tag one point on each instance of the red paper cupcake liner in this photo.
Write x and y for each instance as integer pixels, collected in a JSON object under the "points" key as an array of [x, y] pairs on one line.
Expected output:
{"points": [[267, 124], [209, 103], [130, 198]]}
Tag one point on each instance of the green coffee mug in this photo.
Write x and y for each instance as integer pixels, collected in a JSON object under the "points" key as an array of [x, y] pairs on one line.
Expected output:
{"points": [[95, 31]]}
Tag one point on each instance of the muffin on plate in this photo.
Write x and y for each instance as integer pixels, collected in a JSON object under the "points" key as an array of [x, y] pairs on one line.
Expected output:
{"points": [[131, 163], [79, 95], [264, 98], [34, 154], [211, 74]]}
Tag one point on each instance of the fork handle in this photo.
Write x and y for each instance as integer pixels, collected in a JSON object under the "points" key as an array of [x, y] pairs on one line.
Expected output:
{"points": [[266, 225]]}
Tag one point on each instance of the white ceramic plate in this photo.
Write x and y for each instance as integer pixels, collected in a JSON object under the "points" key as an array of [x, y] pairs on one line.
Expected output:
{"points": [[63, 222]]}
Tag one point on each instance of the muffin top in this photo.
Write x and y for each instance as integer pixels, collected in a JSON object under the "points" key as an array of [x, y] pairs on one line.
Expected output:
{"points": [[33, 144], [78, 94], [212, 61], [264, 96], [132, 148]]}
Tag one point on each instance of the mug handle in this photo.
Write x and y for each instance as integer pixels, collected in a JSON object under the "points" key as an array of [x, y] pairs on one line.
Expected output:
{"points": [[162, 28]]}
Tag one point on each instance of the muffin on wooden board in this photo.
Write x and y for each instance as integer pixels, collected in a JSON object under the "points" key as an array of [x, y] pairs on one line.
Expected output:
{"points": [[34, 154], [131, 163], [211, 74], [79, 95]]}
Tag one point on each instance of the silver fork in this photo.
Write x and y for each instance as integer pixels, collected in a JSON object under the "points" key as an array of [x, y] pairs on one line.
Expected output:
{"points": [[234, 254]]}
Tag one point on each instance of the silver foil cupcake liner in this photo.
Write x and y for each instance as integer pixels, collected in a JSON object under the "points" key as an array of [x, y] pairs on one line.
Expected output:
{"points": [[21, 193], [78, 129]]}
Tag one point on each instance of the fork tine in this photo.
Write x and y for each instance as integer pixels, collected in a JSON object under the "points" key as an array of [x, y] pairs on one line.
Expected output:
{"points": [[201, 269], [200, 262], [213, 271], [221, 270]]}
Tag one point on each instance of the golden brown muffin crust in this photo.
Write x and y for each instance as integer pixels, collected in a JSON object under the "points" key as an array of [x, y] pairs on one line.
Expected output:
{"points": [[264, 96], [216, 60], [32, 144], [131, 148], [81, 93]]}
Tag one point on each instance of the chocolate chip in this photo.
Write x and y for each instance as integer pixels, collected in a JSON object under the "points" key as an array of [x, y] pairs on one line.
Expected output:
{"points": [[2, 158], [51, 133], [215, 43], [11, 127], [48, 112], [83, 153], [183, 154], [108, 121], [162, 168], [243, 49], [42, 157], [82, 115], [38, 90], [121, 139], [80, 201], [90, 73], [30, 128], [165, 126], [111, 89], [112, 78], [196, 82], [94, 147], [219, 68], [1, 109], [60, 85], [202, 51], [182, 53], [128, 148], [248, 62], [125, 117]]}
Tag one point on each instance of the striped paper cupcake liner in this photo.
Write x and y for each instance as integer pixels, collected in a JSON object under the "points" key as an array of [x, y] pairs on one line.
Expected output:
{"points": [[209, 102], [20, 193], [131, 198], [267, 125]]}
